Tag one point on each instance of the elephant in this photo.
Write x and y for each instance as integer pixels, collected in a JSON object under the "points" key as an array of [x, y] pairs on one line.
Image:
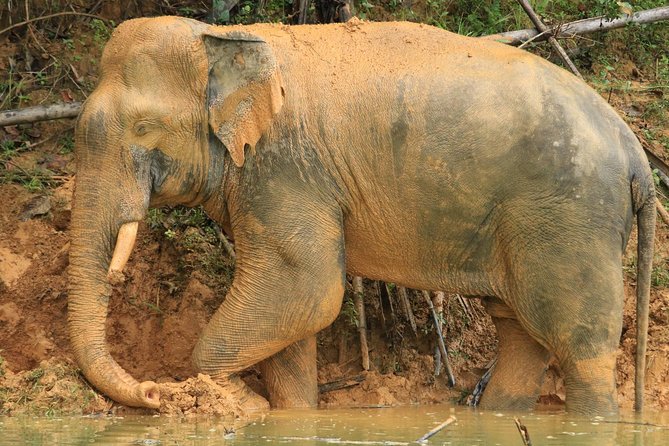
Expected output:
{"points": [[393, 151]]}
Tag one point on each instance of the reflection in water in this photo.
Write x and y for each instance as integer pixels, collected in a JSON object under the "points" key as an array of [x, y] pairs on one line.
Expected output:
{"points": [[383, 426]]}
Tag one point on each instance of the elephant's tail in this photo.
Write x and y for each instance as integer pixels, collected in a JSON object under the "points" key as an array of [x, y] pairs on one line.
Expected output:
{"points": [[643, 195]]}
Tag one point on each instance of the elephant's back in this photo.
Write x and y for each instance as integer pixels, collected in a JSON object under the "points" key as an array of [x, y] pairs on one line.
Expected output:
{"points": [[379, 47]]}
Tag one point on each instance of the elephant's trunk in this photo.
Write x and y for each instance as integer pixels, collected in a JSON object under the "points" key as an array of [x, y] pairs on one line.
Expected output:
{"points": [[94, 234]]}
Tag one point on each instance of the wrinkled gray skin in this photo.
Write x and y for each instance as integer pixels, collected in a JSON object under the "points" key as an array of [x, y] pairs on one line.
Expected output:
{"points": [[393, 151]]}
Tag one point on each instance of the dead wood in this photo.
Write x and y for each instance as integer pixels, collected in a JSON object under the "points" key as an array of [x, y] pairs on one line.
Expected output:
{"points": [[341, 383], [440, 339], [436, 430], [438, 303], [522, 430], [39, 113], [585, 26], [358, 293], [554, 43], [406, 304]]}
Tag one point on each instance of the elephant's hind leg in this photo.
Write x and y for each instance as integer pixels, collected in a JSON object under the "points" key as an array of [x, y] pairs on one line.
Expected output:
{"points": [[521, 363], [576, 311], [291, 376]]}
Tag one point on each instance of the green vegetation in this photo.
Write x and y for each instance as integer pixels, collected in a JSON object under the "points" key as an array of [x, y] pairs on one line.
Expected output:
{"points": [[101, 31], [660, 276]]}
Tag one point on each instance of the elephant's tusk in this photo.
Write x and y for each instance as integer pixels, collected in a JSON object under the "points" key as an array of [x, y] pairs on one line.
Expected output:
{"points": [[124, 244]]}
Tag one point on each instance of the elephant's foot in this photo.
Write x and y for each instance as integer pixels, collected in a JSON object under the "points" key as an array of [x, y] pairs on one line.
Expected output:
{"points": [[248, 400], [291, 376]]}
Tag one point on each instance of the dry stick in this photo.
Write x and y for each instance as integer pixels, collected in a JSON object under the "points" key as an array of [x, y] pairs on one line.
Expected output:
{"points": [[578, 27], [341, 383], [662, 211], [449, 420], [552, 40], [404, 297], [440, 340], [50, 16], [438, 302], [39, 113], [229, 249], [524, 434], [358, 293]]}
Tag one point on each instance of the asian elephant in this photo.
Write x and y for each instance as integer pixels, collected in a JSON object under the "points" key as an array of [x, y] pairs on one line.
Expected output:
{"points": [[394, 151]]}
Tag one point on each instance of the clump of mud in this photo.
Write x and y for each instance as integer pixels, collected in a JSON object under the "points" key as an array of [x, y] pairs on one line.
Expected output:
{"points": [[52, 388], [199, 395]]}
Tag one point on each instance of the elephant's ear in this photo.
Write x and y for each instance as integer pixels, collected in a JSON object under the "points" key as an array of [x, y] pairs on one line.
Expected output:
{"points": [[245, 89]]}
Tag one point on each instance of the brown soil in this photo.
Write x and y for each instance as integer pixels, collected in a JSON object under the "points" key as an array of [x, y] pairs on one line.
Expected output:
{"points": [[179, 274]]}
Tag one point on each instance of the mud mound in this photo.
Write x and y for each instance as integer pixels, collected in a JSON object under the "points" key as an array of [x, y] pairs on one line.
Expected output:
{"points": [[198, 396]]}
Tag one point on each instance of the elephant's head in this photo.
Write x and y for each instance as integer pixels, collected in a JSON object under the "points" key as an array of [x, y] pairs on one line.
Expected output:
{"points": [[143, 139]]}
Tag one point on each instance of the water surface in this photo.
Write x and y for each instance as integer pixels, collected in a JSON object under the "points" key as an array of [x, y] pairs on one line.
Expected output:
{"points": [[374, 426]]}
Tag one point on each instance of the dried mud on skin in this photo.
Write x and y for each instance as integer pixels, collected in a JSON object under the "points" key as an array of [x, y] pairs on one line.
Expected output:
{"points": [[157, 313]]}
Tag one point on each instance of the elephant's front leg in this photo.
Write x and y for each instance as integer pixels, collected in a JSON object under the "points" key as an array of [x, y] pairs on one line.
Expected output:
{"points": [[521, 363], [291, 375], [289, 284]]}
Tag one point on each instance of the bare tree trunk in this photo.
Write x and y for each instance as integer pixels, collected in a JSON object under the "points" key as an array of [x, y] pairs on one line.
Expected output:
{"points": [[332, 11], [304, 9]]}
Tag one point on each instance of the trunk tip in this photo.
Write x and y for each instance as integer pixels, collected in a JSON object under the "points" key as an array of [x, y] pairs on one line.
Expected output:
{"points": [[149, 394]]}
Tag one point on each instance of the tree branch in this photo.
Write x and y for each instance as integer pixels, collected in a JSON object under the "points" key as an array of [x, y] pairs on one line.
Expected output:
{"points": [[39, 113], [50, 16], [584, 26]]}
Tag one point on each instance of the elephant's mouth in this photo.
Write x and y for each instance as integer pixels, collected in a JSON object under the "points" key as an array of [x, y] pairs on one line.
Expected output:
{"points": [[125, 241]]}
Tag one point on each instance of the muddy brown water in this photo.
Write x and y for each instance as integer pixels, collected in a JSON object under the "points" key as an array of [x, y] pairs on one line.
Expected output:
{"points": [[373, 426]]}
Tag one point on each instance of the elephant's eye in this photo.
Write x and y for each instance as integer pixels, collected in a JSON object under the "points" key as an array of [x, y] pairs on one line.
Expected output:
{"points": [[141, 129], [144, 126]]}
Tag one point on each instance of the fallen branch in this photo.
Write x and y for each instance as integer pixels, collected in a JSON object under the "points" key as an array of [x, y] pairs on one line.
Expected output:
{"points": [[578, 27], [436, 430], [39, 113], [440, 339], [51, 16], [522, 430], [341, 383], [480, 386], [544, 29]]}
